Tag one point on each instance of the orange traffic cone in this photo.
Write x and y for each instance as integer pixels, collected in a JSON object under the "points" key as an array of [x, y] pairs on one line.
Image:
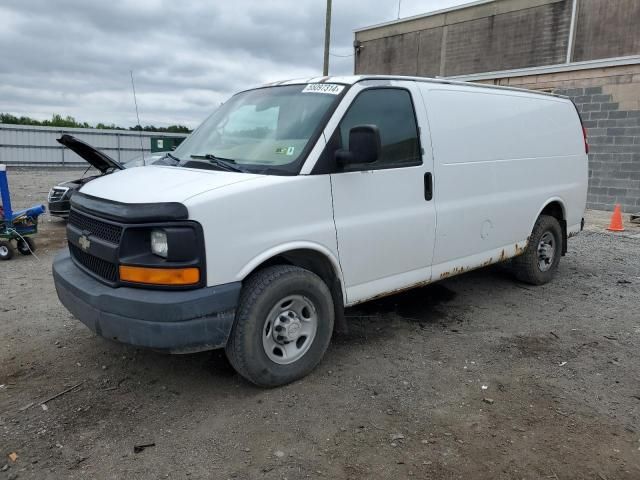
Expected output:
{"points": [[616, 220]]}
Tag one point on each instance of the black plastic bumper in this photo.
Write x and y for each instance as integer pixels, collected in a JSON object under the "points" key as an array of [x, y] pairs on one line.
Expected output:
{"points": [[175, 321], [60, 208]]}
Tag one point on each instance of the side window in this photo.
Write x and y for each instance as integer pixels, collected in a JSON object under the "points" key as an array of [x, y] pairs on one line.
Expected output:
{"points": [[391, 110]]}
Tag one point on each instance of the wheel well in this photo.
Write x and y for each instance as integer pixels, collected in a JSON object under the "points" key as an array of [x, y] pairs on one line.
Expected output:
{"points": [[319, 264], [554, 209]]}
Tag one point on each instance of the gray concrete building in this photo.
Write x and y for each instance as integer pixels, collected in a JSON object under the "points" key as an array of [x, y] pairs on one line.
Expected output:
{"points": [[588, 50]]}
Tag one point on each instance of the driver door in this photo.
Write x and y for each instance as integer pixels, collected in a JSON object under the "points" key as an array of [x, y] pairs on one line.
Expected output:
{"points": [[383, 211]]}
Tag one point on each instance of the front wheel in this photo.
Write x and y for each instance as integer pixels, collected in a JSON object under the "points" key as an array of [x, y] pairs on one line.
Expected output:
{"points": [[539, 262], [283, 325]]}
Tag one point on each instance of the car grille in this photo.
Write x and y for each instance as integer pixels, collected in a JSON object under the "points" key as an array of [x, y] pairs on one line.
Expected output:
{"points": [[105, 231], [57, 193], [102, 268]]}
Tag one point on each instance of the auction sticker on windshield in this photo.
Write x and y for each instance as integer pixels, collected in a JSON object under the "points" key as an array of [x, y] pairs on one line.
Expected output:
{"points": [[330, 88]]}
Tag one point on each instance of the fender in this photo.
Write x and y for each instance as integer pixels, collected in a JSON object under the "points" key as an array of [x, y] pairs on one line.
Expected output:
{"points": [[547, 203], [563, 222], [287, 247]]}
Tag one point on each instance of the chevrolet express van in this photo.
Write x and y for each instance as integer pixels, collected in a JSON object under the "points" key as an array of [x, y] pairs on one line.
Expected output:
{"points": [[300, 198]]}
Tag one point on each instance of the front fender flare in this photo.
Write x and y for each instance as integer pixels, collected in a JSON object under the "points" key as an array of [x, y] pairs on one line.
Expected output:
{"points": [[272, 252]]}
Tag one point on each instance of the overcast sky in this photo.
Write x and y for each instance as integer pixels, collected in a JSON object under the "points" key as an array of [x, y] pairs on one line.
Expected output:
{"points": [[73, 56]]}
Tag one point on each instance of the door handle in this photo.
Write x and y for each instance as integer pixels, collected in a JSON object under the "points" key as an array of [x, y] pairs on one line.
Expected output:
{"points": [[428, 186]]}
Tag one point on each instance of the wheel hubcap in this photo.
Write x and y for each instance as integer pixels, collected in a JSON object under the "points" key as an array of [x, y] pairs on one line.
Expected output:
{"points": [[4, 251], [546, 251], [289, 329]]}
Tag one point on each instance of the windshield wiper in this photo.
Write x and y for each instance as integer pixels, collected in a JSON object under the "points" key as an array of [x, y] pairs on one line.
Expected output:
{"points": [[223, 163], [173, 157]]}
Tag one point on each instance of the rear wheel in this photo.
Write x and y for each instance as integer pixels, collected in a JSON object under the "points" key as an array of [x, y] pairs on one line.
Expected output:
{"points": [[26, 246], [283, 325], [6, 252], [539, 262]]}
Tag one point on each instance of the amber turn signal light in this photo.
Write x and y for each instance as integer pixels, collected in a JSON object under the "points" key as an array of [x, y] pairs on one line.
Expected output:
{"points": [[160, 276]]}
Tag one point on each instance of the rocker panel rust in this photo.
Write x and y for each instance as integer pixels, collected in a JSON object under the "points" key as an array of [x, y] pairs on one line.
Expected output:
{"points": [[518, 248]]}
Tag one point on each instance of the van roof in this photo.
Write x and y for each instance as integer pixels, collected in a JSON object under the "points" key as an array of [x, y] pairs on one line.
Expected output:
{"points": [[352, 79]]}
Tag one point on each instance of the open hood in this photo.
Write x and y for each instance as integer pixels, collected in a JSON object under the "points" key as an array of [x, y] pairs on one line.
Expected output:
{"points": [[96, 158]]}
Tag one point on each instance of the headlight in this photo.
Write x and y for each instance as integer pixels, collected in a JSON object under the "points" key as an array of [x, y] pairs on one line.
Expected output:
{"points": [[168, 254], [159, 244]]}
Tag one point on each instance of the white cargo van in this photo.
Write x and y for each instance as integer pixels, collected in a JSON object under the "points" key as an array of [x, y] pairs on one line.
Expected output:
{"points": [[297, 199]]}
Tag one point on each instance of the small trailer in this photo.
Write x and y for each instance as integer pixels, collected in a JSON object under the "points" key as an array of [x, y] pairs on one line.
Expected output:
{"points": [[16, 227]]}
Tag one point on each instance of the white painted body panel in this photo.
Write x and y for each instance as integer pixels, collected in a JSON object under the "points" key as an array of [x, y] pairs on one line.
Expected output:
{"points": [[247, 223], [385, 227], [498, 157], [161, 184]]}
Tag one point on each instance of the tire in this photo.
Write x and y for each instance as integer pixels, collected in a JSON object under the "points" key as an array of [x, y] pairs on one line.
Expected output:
{"points": [[26, 246], [6, 251], [539, 262], [280, 299]]}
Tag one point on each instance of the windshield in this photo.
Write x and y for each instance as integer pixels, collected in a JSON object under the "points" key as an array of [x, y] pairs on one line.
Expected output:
{"points": [[266, 130]]}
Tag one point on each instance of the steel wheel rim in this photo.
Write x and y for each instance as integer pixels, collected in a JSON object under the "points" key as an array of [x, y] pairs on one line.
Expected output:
{"points": [[546, 251], [4, 250], [289, 329]]}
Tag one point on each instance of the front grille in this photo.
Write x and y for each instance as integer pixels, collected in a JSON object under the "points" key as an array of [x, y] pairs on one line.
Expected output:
{"points": [[105, 231], [57, 193], [102, 268]]}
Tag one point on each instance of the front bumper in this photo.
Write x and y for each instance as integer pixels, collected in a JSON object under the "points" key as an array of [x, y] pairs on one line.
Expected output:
{"points": [[175, 321], [60, 208]]}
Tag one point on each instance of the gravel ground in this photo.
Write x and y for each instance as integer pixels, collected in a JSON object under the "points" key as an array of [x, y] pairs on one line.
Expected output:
{"points": [[473, 377]]}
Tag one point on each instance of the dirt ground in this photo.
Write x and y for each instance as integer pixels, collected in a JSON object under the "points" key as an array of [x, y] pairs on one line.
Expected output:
{"points": [[476, 377]]}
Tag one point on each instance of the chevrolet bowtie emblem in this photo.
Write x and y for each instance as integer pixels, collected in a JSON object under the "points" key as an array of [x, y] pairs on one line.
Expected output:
{"points": [[84, 242]]}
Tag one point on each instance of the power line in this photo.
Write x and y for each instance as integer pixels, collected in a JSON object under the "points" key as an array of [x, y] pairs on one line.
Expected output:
{"points": [[342, 56]]}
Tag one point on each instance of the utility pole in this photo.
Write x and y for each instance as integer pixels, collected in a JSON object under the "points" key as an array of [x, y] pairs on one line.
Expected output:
{"points": [[327, 39]]}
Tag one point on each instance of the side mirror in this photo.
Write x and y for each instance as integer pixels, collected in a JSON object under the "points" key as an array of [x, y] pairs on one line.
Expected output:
{"points": [[364, 146]]}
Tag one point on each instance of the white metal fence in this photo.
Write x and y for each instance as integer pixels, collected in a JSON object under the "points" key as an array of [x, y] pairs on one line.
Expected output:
{"points": [[31, 145]]}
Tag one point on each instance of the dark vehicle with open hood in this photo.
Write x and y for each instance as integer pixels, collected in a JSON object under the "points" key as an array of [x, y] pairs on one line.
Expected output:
{"points": [[60, 194]]}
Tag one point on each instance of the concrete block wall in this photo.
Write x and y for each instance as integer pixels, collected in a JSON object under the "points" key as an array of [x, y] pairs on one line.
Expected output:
{"points": [[609, 103], [614, 154]]}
